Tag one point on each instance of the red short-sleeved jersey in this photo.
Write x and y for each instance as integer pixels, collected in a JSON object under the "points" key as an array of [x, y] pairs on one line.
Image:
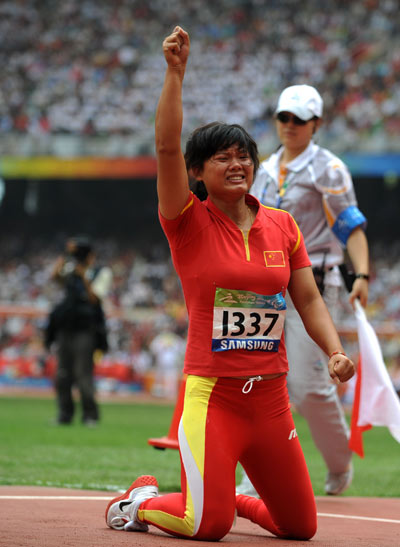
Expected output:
{"points": [[209, 252]]}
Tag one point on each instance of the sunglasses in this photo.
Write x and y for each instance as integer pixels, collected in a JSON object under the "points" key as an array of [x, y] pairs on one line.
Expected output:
{"points": [[285, 117]]}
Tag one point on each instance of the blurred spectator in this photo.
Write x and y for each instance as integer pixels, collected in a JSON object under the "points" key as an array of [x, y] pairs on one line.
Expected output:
{"points": [[77, 327]]}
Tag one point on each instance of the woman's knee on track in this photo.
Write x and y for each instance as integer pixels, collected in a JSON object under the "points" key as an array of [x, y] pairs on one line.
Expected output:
{"points": [[214, 528], [304, 531], [297, 529]]}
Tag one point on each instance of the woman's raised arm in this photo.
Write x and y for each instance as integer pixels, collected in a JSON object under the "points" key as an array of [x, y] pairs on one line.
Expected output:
{"points": [[172, 178]]}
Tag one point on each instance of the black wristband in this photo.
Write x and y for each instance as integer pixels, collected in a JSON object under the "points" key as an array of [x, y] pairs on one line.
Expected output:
{"points": [[362, 276]]}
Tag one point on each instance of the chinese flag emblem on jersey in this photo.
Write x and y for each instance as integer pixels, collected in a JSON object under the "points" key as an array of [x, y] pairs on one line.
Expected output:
{"points": [[274, 258]]}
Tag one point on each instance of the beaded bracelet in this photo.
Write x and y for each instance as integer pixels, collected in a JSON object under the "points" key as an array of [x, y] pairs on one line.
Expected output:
{"points": [[337, 353], [362, 276]]}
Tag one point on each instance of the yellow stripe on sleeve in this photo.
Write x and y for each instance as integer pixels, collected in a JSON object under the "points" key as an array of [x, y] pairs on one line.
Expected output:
{"points": [[187, 206], [298, 240]]}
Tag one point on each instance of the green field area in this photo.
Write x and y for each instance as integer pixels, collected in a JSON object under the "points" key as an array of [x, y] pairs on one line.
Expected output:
{"points": [[110, 456]]}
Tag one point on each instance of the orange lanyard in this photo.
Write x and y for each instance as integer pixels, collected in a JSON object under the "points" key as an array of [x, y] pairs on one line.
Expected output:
{"points": [[283, 183], [282, 175]]}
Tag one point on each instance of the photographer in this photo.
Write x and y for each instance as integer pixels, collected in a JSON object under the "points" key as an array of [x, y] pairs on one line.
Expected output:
{"points": [[77, 326]]}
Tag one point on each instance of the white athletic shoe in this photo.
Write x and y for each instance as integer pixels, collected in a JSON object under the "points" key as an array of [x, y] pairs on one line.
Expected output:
{"points": [[121, 512], [336, 483], [246, 487]]}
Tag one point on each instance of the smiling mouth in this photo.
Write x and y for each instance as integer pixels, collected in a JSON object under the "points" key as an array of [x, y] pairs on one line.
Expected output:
{"points": [[236, 178]]}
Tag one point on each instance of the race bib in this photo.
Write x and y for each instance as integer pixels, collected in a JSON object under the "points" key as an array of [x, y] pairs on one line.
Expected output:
{"points": [[247, 320]]}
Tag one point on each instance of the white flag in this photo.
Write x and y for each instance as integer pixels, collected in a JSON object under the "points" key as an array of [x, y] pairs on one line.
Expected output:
{"points": [[379, 403]]}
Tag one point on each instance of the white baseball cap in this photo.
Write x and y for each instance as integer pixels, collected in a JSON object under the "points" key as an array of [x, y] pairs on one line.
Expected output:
{"points": [[303, 101]]}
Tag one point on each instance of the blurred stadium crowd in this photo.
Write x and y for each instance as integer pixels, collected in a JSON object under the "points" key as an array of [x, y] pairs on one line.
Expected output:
{"points": [[146, 314], [87, 73]]}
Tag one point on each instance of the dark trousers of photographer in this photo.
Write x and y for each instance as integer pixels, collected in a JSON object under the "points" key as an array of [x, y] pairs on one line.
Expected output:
{"points": [[76, 368]]}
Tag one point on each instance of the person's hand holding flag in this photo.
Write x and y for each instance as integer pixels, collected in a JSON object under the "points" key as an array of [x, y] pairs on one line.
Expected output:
{"points": [[375, 401]]}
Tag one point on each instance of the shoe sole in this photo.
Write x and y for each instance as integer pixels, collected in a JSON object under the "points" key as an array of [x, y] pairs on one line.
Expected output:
{"points": [[144, 480], [344, 487], [338, 491]]}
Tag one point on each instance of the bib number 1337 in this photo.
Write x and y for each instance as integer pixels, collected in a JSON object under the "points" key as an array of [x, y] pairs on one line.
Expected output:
{"points": [[235, 323], [247, 320]]}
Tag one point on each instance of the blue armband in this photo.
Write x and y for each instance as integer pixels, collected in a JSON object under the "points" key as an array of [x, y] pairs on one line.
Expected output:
{"points": [[345, 223]]}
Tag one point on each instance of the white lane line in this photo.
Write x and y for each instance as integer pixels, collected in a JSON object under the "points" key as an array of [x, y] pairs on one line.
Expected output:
{"points": [[108, 498], [355, 517]]}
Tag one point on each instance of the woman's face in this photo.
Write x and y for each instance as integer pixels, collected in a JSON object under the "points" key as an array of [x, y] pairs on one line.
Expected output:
{"points": [[228, 173], [293, 136]]}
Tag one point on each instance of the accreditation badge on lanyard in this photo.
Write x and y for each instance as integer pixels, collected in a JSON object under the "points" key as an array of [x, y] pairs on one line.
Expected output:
{"points": [[247, 320], [284, 181]]}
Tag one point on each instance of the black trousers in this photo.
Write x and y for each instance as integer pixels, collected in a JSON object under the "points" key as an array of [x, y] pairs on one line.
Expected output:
{"points": [[75, 367]]}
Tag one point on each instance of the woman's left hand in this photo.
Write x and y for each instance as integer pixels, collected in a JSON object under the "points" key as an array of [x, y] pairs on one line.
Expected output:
{"points": [[341, 368], [360, 291]]}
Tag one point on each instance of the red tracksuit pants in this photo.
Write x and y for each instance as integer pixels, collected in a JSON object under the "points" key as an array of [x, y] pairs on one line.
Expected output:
{"points": [[221, 426]]}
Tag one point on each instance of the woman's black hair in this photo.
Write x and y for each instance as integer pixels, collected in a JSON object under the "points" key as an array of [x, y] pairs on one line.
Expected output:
{"points": [[207, 140]]}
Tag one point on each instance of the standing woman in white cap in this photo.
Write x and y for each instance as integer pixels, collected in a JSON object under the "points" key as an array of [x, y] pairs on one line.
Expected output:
{"points": [[316, 188]]}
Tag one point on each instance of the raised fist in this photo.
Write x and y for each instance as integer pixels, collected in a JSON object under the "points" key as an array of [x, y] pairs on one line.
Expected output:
{"points": [[176, 47]]}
